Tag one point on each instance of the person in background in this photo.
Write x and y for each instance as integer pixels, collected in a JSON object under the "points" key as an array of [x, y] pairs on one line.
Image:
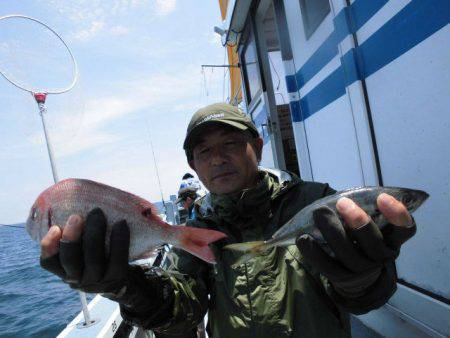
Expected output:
{"points": [[297, 290], [188, 193], [187, 179], [186, 199]]}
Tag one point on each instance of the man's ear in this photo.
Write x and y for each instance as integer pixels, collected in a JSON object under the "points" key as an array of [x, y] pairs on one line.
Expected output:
{"points": [[192, 165], [258, 147]]}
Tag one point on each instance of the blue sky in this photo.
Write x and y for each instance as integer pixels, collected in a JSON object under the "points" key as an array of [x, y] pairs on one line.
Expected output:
{"points": [[139, 64]]}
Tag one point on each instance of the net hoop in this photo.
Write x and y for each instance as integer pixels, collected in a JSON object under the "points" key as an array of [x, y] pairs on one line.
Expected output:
{"points": [[74, 63]]}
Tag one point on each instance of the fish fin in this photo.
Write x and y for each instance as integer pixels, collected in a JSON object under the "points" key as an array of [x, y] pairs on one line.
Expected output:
{"points": [[196, 240], [246, 246], [249, 249]]}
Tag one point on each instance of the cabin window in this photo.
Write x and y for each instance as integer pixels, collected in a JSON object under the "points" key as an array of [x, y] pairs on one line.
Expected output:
{"points": [[313, 13], [251, 68]]}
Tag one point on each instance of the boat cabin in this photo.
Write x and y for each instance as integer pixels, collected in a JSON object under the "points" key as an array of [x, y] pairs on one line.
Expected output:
{"points": [[356, 93]]}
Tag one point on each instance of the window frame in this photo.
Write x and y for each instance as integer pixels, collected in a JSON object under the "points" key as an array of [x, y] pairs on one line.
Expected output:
{"points": [[307, 27], [242, 48]]}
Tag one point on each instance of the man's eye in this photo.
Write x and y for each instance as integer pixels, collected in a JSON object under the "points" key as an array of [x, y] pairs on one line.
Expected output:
{"points": [[230, 143], [203, 151]]}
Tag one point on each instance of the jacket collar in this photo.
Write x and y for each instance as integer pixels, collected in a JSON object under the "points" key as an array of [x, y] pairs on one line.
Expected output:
{"points": [[204, 207]]}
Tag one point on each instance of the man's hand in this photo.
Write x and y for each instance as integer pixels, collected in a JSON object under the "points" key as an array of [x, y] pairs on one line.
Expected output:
{"points": [[363, 266], [77, 255]]}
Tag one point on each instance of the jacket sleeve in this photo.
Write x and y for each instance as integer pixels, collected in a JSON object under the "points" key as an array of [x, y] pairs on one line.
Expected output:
{"points": [[372, 298], [187, 300]]}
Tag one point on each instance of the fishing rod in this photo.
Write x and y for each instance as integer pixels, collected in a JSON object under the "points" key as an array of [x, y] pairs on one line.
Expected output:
{"points": [[156, 166]]}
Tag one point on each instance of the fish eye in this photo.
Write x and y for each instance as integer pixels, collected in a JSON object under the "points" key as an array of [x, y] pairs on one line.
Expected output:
{"points": [[147, 212]]}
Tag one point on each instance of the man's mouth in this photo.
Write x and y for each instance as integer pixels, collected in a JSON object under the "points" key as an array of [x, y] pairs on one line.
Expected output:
{"points": [[223, 175]]}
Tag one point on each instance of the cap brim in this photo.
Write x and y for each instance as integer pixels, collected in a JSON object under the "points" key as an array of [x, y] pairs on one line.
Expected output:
{"points": [[197, 130]]}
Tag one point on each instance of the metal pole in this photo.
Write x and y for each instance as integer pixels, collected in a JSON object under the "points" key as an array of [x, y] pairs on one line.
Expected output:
{"points": [[87, 317], [40, 99], [222, 66], [42, 112]]}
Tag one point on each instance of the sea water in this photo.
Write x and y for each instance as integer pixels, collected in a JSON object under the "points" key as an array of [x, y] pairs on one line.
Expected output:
{"points": [[33, 302]]}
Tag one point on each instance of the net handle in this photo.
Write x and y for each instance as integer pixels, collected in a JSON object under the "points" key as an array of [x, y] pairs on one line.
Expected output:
{"points": [[74, 63]]}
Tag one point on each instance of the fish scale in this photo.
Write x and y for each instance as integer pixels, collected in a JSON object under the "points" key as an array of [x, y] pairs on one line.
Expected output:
{"points": [[147, 230]]}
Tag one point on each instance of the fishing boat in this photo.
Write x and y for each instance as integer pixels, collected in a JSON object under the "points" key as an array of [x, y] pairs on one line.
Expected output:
{"points": [[341, 92], [352, 93]]}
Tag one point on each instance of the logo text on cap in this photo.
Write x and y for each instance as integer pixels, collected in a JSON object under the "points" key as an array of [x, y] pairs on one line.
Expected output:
{"points": [[211, 117]]}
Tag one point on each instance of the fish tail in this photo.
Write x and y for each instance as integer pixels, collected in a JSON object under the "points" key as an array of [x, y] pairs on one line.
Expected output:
{"points": [[249, 250], [196, 240]]}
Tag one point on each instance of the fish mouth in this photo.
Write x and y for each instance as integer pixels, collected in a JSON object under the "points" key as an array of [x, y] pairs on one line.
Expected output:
{"points": [[414, 199], [422, 197], [32, 229]]}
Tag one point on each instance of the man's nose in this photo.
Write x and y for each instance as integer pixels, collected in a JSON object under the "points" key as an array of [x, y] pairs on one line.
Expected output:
{"points": [[218, 156]]}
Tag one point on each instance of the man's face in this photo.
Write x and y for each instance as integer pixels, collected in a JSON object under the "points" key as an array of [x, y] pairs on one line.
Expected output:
{"points": [[187, 203], [226, 159]]}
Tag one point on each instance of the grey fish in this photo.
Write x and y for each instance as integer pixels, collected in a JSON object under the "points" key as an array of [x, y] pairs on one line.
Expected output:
{"points": [[303, 223]]}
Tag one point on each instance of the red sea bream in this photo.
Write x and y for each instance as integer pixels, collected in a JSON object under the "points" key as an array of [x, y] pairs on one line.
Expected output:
{"points": [[147, 230]]}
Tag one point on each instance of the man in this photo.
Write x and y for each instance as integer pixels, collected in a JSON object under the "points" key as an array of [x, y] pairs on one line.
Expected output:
{"points": [[187, 197], [187, 194], [294, 291]]}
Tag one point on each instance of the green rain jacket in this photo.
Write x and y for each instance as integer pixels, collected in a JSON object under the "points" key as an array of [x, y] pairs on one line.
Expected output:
{"points": [[275, 294]]}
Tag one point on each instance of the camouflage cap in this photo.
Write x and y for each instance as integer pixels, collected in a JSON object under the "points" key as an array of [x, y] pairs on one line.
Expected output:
{"points": [[223, 113]]}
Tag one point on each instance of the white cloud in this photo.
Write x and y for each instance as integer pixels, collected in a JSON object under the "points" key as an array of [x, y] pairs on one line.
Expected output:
{"points": [[77, 128], [155, 94], [69, 139], [96, 17], [87, 34], [78, 11], [102, 110], [137, 173], [94, 10], [165, 7], [98, 28], [119, 30], [85, 140]]}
